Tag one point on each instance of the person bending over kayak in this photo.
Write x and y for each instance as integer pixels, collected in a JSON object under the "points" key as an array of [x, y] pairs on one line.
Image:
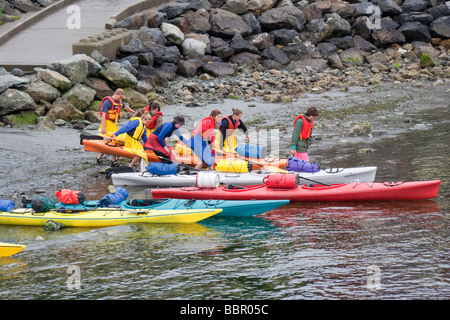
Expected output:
{"points": [[156, 140], [110, 109], [132, 133], [155, 112], [226, 138], [301, 137], [206, 129]]}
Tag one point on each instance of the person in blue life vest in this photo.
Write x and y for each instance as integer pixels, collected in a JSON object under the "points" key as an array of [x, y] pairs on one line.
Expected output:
{"points": [[301, 136], [132, 133], [156, 140], [110, 109]]}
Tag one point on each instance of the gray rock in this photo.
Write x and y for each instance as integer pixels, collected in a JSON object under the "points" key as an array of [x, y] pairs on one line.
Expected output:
{"points": [[115, 74], [172, 33], [13, 101], [221, 48], [174, 9], [246, 59], [415, 31], [45, 124], [414, 5], [388, 7], [386, 37], [226, 24], [284, 37], [282, 18], [193, 46], [441, 27], [252, 22], [63, 109], [40, 91], [80, 96], [275, 54], [219, 69], [240, 45], [54, 78]]}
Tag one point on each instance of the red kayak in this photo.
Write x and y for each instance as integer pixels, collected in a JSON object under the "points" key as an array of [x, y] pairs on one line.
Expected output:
{"points": [[355, 191]]}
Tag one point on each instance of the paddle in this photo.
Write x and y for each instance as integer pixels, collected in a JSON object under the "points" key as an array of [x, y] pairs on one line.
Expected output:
{"points": [[271, 168], [265, 166]]}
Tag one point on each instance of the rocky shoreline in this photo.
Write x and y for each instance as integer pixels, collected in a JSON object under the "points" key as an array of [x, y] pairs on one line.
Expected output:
{"points": [[200, 52]]}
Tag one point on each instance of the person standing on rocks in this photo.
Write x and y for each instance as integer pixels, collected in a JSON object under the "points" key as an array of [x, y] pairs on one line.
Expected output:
{"points": [[155, 112], [301, 137], [226, 138], [110, 108], [156, 140]]}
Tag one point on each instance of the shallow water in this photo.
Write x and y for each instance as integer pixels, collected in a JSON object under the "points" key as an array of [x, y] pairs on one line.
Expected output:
{"points": [[314, 251]]}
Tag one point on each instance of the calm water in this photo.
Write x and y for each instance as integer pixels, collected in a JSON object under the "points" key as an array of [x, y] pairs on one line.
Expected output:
{"points": [[300, 251]]}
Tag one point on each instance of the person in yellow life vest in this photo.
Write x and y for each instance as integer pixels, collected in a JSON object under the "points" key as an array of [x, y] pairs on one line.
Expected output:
{"points": [[131, 134], [301, 137], [226, 138], [110, 109], [155, 112]]}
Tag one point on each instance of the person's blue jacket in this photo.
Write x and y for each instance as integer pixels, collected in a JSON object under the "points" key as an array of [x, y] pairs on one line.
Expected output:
{"points": [[166, 130]]}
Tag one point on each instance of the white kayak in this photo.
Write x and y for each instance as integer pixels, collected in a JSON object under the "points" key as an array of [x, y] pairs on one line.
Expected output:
{"points": [[189, 178]]}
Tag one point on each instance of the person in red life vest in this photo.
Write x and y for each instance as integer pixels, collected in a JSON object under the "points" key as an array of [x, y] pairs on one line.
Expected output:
{"points": [[110, 109], [301, 137], [156, 140], [131, 134], [206, 128], [226, 139], [155, 112]]}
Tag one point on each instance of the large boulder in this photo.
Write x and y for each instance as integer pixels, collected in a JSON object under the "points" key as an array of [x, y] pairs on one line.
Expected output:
{"points": [[80, 96], [219, 69], [117, 76], [226, 24], [386, 37], [193, 46], [40, 91], [13, 101], [75, 68], [63, 109], [54, 78], [441, 27], [388, 7], [282, 18], [8, 80], [415, 31], [172, 33]]}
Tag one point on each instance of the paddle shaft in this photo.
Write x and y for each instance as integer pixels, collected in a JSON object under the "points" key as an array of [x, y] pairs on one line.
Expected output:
{"points": [[269, 167]]}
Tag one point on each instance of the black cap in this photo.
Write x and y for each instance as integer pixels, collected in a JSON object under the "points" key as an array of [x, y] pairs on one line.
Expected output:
{"points": [[179, 119]]}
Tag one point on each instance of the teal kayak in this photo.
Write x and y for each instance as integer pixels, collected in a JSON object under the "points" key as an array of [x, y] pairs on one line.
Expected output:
{"points": [[230, 208]]}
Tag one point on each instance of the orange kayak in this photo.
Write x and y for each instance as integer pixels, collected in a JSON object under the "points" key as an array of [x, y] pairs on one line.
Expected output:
{"points": [[117, 149]]}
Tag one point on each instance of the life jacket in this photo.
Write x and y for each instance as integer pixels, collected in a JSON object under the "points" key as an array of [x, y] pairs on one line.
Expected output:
{"points": [[113, 113], [152, 123], [136, 133], [231, 126], [307, 127], [206, 128]]}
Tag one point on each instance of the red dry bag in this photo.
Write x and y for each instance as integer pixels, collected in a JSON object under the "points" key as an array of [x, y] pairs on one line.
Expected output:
{"points": [[281, 181], [67, 196]]}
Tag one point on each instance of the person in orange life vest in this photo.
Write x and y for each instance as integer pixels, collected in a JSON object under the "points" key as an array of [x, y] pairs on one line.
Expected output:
{"points": [[156, 140], [110, 108], [206, 129], [155, 112], [229, 124], [301, 137], [132, 133]]}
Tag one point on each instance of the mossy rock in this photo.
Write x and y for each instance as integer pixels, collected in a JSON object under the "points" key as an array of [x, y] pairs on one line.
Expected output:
{"points": [[24, 118], [427, 61]]}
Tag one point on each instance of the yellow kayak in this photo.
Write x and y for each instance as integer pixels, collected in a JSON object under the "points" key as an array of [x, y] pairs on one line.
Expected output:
{"points": [[8, 249], [104, 217]]}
